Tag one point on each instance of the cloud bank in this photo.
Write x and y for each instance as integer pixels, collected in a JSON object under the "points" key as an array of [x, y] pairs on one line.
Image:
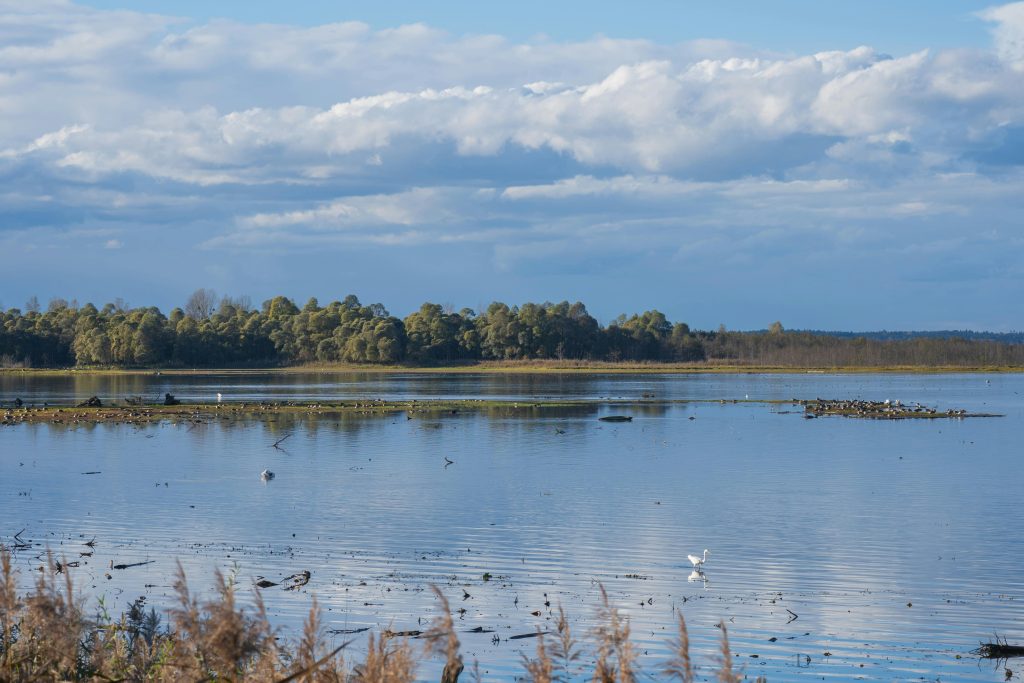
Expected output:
{"points": [[539, 158]]}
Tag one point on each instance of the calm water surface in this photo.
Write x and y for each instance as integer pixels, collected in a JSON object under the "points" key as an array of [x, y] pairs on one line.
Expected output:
{"points": [[898, 544]]}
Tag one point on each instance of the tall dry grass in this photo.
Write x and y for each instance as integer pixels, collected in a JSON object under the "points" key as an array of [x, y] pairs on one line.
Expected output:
{"points": [[46, 635]]}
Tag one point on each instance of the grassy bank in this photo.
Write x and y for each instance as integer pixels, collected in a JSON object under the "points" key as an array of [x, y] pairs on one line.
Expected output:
{"points": [[430, 409], [48, 634]]}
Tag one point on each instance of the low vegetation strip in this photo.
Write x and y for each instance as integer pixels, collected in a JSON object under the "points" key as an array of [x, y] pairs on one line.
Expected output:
{"points": [[134, 410], [89, 412], [527, 367]]}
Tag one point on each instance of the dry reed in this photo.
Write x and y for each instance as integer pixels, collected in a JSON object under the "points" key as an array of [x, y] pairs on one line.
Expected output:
{"points": [[679, 666], [45, 635]]}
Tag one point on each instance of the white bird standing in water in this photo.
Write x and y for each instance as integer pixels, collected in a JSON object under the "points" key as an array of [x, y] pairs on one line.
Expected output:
{"points": [[698, 561], [266, 475], [219, 397]]}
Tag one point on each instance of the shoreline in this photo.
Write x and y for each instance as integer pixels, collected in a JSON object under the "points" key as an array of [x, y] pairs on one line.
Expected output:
{"points": [[528, 367]]}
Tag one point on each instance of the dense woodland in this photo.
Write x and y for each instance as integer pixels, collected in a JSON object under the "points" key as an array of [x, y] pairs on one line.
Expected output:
{"points": [[230, 332]]}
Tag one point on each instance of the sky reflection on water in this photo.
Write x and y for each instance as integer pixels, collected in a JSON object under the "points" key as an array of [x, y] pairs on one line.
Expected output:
{"points": [[896, 543]]}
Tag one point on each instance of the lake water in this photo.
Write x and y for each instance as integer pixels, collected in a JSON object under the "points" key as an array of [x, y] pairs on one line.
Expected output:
{"points": [[897, 543]]}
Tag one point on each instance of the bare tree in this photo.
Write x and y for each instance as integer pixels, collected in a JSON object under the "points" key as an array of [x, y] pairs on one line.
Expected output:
{"points": [[57, 304], [242, 303], [201, 304], [32, 305]]}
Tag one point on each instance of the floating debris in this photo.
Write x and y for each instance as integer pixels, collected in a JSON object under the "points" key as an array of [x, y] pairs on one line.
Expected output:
{"points": [[388, 633], [616, 418], [298, 580], [19, 543], [129, 566], [527, 635]]}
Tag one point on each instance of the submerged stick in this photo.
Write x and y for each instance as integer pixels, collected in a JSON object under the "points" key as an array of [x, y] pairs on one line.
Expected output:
{"points": [[128, 566], [999, 650], [317, 664]]}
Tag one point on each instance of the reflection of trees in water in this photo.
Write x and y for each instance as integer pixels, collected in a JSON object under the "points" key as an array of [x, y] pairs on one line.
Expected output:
{"points": [[281, 424], [64, 430], [511, 419], [568, 421], [317, 386]]}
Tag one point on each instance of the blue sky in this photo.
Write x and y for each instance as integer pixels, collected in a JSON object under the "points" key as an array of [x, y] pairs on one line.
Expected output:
{"points": [[831, 165], [784, 25]]}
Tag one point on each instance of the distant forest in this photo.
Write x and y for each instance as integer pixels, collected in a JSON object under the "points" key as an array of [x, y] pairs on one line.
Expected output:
{"points": [[230, 332], [1005, 337]]}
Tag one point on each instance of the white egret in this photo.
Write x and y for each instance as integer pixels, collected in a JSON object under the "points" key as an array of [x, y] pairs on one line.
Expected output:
{"points": [[219, 397], [698, 561]]}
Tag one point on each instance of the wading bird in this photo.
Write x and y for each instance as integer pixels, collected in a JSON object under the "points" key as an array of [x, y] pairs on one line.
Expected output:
{"points": [[698, 561]]}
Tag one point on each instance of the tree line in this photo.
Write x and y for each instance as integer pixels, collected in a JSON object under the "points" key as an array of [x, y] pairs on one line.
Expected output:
{"points": [[230, 332]]}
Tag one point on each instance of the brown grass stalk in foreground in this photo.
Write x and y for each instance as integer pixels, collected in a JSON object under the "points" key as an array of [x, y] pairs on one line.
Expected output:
{"points": [[679, 665], [45, 635]]}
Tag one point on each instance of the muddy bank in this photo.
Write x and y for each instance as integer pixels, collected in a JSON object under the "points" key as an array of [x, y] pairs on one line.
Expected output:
{"points": [[133, 411], [115, 413]]}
